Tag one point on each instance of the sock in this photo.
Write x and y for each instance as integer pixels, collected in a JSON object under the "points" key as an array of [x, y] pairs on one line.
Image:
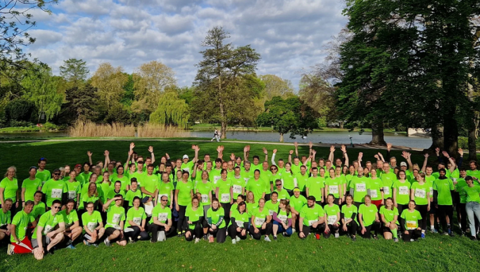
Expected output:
{"points": [[395, 234], [432, 227]]}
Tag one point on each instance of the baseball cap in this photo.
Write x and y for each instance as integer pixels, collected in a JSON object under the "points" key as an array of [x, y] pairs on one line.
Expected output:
{"points": [[78, 165], [185, 156], [403, 163]]}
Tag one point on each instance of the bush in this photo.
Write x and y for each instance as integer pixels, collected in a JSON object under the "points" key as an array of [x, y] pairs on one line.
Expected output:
{"points": [[49, 126], [322, 122], [15, 123], [20, 110]]}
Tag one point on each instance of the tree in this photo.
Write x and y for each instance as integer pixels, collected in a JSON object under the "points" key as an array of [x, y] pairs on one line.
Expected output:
{"points": [[20, 111], [109, 82], [75, 72], [81, 104], [150, 81], [288, 115], [171, 110], [15, 20], [276, 86], [222, 72]]}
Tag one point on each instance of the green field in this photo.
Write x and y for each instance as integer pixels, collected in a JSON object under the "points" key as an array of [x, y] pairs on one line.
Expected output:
{"points": [[435, 253]]}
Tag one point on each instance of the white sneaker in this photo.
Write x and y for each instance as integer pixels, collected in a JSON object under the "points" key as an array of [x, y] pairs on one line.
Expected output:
{"points": [[337, 235], [161, 236], [107, 242], [10, 249], [267, 239], [293, 230], [238, 239], [234, 241], [197, 240]]}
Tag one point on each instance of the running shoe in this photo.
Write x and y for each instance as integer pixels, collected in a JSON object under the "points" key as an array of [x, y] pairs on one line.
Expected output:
{"points": [[267, 239], [423, 235]]}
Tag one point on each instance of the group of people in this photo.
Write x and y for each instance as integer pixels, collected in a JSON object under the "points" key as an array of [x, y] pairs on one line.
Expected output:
{"points": [[143, 199]]}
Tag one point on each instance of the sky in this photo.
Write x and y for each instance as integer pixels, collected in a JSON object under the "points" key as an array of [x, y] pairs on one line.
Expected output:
{"points": [[290, 35]]}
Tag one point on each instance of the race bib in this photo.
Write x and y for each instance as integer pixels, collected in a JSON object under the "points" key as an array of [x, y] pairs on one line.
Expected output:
{"points": [[237, 189], [373, 193], [148, 208], [283, 218], [246, 180], [56, 193], [91, 226], [270, 212], [420, 193], [186, 169], [333, 189], [412, 225], [215, 179], [116, 218], [225, 198], [162, 217], [72, 194], [47, 229], [332, 219], [403, 190], [205, 199], [360, 187], [259, 221], [239, 223], [310, 222], [386, 190], [137, 220]]}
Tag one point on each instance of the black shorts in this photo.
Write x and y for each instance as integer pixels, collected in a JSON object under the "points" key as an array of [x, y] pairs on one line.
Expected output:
{"points": [[385, 229], [109, 231]]}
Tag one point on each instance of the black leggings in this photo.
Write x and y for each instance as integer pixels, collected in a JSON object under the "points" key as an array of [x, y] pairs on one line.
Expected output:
{"points": [[266, 231], [309, 229], [375, 227], [352, 228], [400, 208], [445, 210], [197, 231], [412, 234], [220, 234], [226, 207], [333, 229], [136, 233], [154, 229], [464, 216], [425, 216], [232, 232], [181, 218]]}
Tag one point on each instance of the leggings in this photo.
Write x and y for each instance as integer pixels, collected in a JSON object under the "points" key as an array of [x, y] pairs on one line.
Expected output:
{"points": [[463, 211], [333, 228], [425, 216], [352, 228], [232, 232], [400, 208], [136, 233], [154, 229], [266, 231], [412, 234], [181, 218], [310, 229], [445, 210], [197, 231], [375, 227], [226, 207], [220, 234]]}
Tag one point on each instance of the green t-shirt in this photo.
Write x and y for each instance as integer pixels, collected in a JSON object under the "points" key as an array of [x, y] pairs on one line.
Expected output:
{"points": [[302, 181], [5, 218], [84, 177], [402, 192], [297, 202], [359, 186], [70, 218], [73, 189], [165, 189], [184, 192], [224, 187], [214, 216], [251, 207], [162, 214], [38, 210], [188, 166], [311, 215], [48, 222], [257, 187], [238, 184], [272, 207], [389, 215], [124, 180], [136, 216], [335, 187], [205, 189], [374, 188], [315, 186], [288, 182], [43, 175], [21, 221], [388, 181], [240, 218], [91, 221], [349, 211], [411, 219], [368, 214], [10, 189], [139, 176], [214, 176], [130, 195], [31, 186], [260, 216], [247, 175], [444, 188], [193, 216], [420, 193], [86, 199], [460, 184], [472, 194], [266, 176], [115, 215], [283, 194], [54, 190], [150, 183], [332, 214]]}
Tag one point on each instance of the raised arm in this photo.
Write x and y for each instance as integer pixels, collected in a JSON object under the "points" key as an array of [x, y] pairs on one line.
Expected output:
{"points": [[360, 156], [331, 156], [266, 154], [273, 157], [152, 155], [220, 149], [460, 158], [407, 156], [295, 144], [290, 156], [452, 161], [195, 148], [425, 161], [89, 154], [389, 147], [106, 153], [344, 150], [246, 151]]}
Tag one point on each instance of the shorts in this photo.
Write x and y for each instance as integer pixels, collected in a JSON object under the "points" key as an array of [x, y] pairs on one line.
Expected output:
{"points": [[109, 231], [45, 242], [433, 209]]}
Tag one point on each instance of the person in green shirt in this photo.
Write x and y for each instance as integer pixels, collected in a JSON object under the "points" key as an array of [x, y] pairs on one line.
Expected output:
{"points": [[205, 188], [297, 201], [92, 225], [442, 197], [166, 187], [315, 186], [412, 228], [30, 185], [261, 222], [462, 202], [183, 196], [85, 175], [282, 220], [160, 224], [288, 178], [115, 221], [368, 219], [46, 235], [121, 176], [74, 187], [282, 193], [374, 189], [42, 173], [216, 223], [301, 178], [224, 192], [389, 216], [312, 219], [5, 219], [19, 242], [72, 223], [135, 222], [420, 193], [194, 217], [9, 188], [333, 186], [239, 221], [349, 218], [332, 215], [401, 194], [358, 187], [238, 183], [472, 193], [55, 189], [149, 188]]}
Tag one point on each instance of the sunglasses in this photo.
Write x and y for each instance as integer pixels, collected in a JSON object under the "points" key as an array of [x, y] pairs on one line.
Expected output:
{"points": [[164, 200], [278, 184], [56, 174], [57, 207]]}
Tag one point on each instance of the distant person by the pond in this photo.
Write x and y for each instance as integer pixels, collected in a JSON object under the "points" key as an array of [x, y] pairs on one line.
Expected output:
{"points": [[216, 135]]}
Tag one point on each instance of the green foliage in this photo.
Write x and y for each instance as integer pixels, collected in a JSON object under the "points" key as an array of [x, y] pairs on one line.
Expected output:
{"points": [[81, 103], [322, 122], [129, 95], [171, 110], [75, 72], [20, 112]]}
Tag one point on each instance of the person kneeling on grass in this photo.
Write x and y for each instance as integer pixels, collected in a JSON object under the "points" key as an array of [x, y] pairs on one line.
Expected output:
{"points": [[332, 212], [261, 222], [49, 231], [411, 217], [19, 242], [135, 223], [282, 220], [389, 216], [194, 219], [93, 225], [239, 218], [72, 225], [216, 223], [349, 218], [5, 219], [368, 217], [312, 219], [160, 224], [115, 221]]}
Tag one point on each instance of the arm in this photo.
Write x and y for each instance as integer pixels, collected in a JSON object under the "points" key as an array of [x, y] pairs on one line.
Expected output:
{"points": [[220, 152], [89, 154], [407, 156], [246, 150], [425, 161], [107, 159], [13, 233], [331, 156], [107, 204], [275, 218], [266, 153], [452, 161], [460, 158], [152, 155], [389, 147], [295, 144], [196, 149], [344, 150], [360, 156], [290, 156], [273, 157], [381, 157]]}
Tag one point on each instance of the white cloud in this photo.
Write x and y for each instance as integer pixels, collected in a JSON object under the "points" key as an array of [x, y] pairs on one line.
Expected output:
{"points": [[289, 34]]}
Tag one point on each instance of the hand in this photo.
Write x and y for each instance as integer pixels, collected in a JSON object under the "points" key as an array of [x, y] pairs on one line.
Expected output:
{"points": [[167, 228], [284, 225], [301, 234], [460, 152], [171, 206], [327, 229], [376, 157], [428, 208], [16, 205], [360, 156], [364, 230], [389, 146], [332, 148], [106, 153], [177, 207], [264, 225], [314, 152], [396, 205], [406, 232], [295, 144], [150, 149], [142, 229], [404, 154], [343, 148], [274, 151], [445, 154], [265, 151], [130, 153], [437, 151], [132, 145], [166, 155], [214, 227], [239, 229], [290, 152], [345, 228], [387, 225], [89, 153], [232, 156], [256, 230], [50, 234], [189, 222], [314, 225], [426, 155]]}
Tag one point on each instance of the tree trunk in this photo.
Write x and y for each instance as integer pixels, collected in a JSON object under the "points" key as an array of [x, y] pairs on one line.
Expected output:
{"points": [[281, 137], [377, 133], [472, 146], [341, 124], [450, 134], [223, 129], [437, 137]]}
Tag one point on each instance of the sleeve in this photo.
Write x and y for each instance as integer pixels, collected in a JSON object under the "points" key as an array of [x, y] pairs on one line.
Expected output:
{"points": [[16, 219], [275, 218], [130, 214], [75, 217]]}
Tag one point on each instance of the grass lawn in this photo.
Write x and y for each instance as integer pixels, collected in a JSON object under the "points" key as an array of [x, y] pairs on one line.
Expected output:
{"points": [[435, 253]]}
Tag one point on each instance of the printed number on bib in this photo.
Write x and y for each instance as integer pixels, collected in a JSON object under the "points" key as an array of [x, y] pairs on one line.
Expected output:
{"points": [[225, 198], [386, 190], [162, 217], [72, 194], [204, 198], [259, 221], [333, 189], [116, 218], [373, 193], [283, 218], [57, 193], [411, 225], [403, 190], [420, 193], [215, 179], [237, 189], [137, 220], [360, 187], [332, 219], [310, 222], [48, 228], [91, 226]]}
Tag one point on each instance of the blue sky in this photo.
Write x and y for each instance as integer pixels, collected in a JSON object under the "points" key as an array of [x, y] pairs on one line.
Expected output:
{"points": [[290, 35]]}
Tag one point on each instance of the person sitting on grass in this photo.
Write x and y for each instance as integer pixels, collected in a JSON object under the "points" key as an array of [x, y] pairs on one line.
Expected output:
{"points": [[92, 225], [72, 224], [5, 219], [411, 217], [160, 224], [312, 219], [19, 242], [115, 221], [49, 231]]}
